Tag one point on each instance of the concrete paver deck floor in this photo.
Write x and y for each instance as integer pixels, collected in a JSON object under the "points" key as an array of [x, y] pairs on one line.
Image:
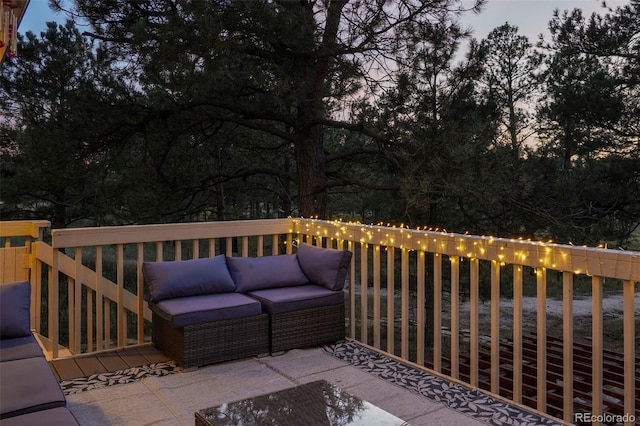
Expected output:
{"points": [[162, 397]]}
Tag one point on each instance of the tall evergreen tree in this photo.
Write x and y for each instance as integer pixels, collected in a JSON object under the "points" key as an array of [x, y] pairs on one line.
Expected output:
{"points": [[442, 131], [56, 137], [283, 68], [510, 78], [589, 122]]}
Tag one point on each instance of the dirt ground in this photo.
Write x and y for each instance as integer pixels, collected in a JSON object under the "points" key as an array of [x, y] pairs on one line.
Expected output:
{"points": [[612, 320]]}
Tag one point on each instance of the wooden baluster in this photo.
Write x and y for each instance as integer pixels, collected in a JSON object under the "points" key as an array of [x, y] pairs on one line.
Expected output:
{"points": [[75, 319], [495, 327], [596, 404], [567, 346], [541, 276], [352, 292], [437, 312], [140, 291], [121, 311], [404, 301], [420, 314], [364, 321], [517, 333], [260, 246], [474, 320], [391, 315], [455, 316], [376, 296], [629, 338], [100, 323]]}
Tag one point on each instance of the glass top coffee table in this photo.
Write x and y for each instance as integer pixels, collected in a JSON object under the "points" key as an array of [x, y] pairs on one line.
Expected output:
{"points": [[315, 403]]}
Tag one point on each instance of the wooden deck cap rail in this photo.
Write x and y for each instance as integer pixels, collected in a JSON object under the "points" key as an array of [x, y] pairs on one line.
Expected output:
{"points": [[133, 234], [536, 254], [23, 228]]}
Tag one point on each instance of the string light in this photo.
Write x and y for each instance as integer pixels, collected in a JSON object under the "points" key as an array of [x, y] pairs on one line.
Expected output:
{"points": [[540, 255]]}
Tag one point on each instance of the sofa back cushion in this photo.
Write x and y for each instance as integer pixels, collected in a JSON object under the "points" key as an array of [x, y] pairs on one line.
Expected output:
{"points": [[15, 300], [184, 278], [257, 273], [324, 266]]}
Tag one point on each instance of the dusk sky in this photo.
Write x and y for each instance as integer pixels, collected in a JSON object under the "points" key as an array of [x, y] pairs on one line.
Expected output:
{"points": [[530, 16]]}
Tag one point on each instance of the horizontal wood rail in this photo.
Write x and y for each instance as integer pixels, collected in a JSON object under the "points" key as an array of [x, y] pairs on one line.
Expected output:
{"points": [[23, 228]]}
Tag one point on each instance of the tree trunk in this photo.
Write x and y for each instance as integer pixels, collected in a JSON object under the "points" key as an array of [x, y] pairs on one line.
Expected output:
{"points": [[312, 178], [220, 203], [308, 137], [287, 207], [59, 217]]}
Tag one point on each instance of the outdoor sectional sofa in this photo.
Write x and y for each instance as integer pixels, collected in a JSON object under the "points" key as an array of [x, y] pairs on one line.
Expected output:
{"points": [[29, 391], [223, 308]]}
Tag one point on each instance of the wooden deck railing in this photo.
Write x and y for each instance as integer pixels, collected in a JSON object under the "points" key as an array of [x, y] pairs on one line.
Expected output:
{"points": [[407, 296]]}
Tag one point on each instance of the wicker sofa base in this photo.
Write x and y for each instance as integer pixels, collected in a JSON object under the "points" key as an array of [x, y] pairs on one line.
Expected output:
{"points": [[213, 342], [307, 327]]}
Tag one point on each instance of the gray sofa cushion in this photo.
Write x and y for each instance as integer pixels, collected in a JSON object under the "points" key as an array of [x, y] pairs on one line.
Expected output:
{"points": [[19, 348], [60, 416], [256, 273], [15, 300], [324, 266], [279, 300], [184, 278], [185, 311], [28, 385]]}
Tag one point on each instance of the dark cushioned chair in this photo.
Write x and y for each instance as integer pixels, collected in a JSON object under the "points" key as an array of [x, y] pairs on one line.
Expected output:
{"points": [[309, 310], [29, 391], [198, 319], [303, 316]]}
